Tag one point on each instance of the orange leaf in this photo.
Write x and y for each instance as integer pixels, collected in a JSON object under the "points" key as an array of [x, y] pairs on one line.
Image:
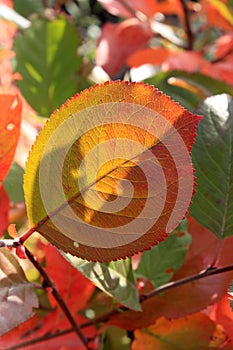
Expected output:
{"points": [[154, 56], [221, 313], [11, 108], [127, 173], [118, 41], [196, 332], [213, 15]]}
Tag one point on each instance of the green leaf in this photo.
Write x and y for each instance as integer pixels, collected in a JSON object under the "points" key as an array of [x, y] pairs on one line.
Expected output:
{"points": [[17, 295], [159, 264], [27, 7], [47, 60], [13, 183], [188, 89], [213, 160], [115, 279]]}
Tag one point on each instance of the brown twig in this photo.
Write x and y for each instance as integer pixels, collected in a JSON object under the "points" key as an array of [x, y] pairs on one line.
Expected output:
{"points": [[107, 316], [189, 32], [202, 274], [49, 283]]}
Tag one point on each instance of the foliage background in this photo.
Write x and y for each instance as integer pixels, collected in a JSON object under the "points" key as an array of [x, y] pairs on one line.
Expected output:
{"points": [[185, 49]]}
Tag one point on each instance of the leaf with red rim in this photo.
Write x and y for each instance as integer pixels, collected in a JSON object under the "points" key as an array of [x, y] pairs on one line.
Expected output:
{"points": [[124, 177]]}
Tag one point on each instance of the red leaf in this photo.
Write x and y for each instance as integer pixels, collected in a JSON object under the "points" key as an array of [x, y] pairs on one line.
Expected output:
{"points": [[148, 7], [11, 107], [191, 297], [7, 3], [154, 56], [75, 289], [221, 313], [222, 46], [118, 41], [190, 61], [38, 327], [4, 208]]}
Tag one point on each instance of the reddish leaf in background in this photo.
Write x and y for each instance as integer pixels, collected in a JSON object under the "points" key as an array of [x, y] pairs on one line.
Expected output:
{"points": [[75, 289], [221, 47], [191, 297], [223, 70], [4, 208], [148, 7], [154, 56], [7, 3], [118, 41], [213, 16], [195, 332], [10, 119], [190, 61], [221, 313], [38, 327]]}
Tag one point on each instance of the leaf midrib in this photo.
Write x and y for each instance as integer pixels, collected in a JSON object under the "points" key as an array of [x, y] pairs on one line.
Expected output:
{"points": [[73, 198]]}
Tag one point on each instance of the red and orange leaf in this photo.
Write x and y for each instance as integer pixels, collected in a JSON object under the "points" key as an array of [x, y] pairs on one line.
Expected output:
{"points": [[191, 297], [110, 174], [195, 332], [4, 209], [214, 15], [10, 119], [75, 289], [154, 56], [118, 41], [222, 314]]}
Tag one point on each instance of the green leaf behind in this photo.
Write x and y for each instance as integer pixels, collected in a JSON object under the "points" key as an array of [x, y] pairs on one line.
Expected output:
{"points": [[198, 86], [47, 60], [159, 264], [115, 279], [213, 160], [13, 183]]}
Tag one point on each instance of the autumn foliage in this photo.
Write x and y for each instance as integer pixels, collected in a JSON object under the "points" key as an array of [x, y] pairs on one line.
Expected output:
{"points": [[116, 174]]}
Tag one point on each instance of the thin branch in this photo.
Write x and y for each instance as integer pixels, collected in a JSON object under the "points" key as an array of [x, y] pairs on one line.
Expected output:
{"points": [[49, 283], [202, 274], [10, 243], [56, 334], [189, 32], [107, 316]]}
